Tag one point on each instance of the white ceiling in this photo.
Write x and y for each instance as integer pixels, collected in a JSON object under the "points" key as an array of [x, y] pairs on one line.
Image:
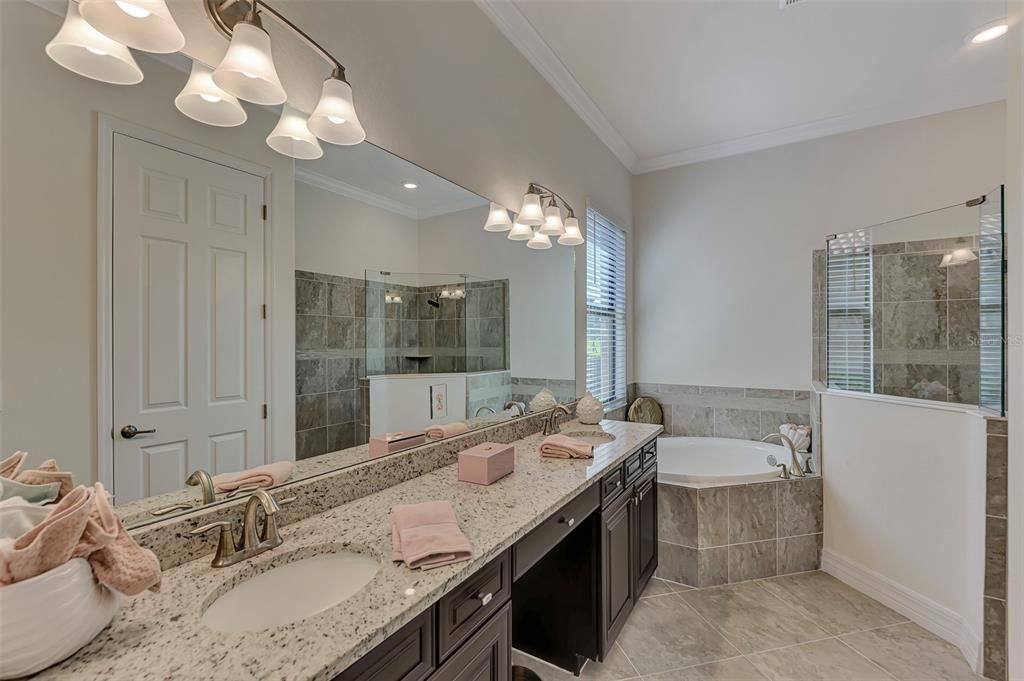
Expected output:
{"points": [[670, 82]]}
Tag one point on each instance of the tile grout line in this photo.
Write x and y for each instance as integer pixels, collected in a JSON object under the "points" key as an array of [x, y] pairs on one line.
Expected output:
{"points": [[869, 660], [713, 627], [628, 661]]}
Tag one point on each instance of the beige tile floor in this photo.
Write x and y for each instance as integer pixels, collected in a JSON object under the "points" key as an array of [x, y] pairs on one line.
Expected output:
{"points": [[805, 627]]}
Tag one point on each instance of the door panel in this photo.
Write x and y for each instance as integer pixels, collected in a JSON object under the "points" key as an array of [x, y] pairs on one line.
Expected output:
{"points": [[617, 569], [188, 335], [646, 530]]}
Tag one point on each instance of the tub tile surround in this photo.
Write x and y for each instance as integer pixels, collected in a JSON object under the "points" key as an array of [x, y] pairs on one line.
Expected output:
{"points": [[327, 482], [721, 535], [994, 611], [155, 635], [716, 411]]}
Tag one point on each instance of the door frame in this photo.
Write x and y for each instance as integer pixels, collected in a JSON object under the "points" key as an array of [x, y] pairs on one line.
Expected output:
{"points": [[107, 127]]}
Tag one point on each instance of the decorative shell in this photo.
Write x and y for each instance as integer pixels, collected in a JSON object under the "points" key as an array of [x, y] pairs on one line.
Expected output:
{"points": [[544, 399], [589, 410], [645, 410]]}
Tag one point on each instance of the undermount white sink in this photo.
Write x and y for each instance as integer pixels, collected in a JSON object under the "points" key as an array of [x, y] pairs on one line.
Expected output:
{"points": [[290, 592], [591, 437]]}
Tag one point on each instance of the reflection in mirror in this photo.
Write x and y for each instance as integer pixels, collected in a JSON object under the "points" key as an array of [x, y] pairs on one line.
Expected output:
{"points": [[156, 371]]}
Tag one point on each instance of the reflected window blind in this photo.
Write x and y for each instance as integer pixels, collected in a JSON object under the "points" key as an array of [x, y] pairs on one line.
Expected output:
{"points": [[606, 310], [850, 356], [991, 318]]}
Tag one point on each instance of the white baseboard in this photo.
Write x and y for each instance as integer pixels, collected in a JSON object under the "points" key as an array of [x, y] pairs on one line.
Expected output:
{"points": [[936, 618]]}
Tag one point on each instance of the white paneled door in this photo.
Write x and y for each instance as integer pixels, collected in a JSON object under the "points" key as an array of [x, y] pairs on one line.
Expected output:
{"points": [[188, 329]]}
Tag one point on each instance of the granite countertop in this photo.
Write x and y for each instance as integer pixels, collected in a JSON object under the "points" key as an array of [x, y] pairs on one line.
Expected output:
{"points": [[159, 635]]}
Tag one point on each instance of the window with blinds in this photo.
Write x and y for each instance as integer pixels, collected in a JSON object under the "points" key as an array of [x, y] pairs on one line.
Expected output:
{"points": [[850, 356], [606, 310]]}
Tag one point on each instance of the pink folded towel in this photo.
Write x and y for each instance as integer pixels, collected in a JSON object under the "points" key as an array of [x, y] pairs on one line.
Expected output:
{"points": [[448, 430], [260, 476], [427, 536], [46, 474], [564, 447], [82, 525]]}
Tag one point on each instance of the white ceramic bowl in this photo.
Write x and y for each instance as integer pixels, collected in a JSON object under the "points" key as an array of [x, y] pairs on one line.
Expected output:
{"points": [[49, 617]]}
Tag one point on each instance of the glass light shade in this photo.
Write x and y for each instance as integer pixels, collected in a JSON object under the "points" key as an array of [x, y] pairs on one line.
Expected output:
{"points": [[960, 256], [143, 24], [203, 101], [291, 136], [497, 219], [334, 119], [552, 222], [539, 241], [531, 213], [520, 232], [572, 236], [82, 49], [247, 70]]}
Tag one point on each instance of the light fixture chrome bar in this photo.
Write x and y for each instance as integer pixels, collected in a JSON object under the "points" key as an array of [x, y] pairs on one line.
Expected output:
{"points": [[546, 192]]}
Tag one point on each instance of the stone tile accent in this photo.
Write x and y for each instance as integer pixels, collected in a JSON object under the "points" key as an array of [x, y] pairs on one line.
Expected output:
{"points": [[994, 629]]}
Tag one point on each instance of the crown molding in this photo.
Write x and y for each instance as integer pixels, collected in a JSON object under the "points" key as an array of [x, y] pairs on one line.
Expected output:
{"points": [[521, 33], [330, 184], [893, 112], [453, 207]]}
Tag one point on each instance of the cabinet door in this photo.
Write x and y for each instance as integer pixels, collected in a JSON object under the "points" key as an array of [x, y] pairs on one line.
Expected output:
{"points": [[646, 541], [617, 565], [486, 656]]}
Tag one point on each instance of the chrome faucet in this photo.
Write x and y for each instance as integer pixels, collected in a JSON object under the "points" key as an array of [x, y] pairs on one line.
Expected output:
{"points": [[482, 409], [205, 482], [551, 421], [515, 407], [252, 543], [795, 468]]}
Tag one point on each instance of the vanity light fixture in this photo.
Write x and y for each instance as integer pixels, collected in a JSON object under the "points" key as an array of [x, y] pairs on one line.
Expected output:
{"points": [[334, 119], [203, 101], [497, 219], [291, 136], [550, 222], [392, 299], [247, 70], [146, 25], [82, 49], [988, 32]]}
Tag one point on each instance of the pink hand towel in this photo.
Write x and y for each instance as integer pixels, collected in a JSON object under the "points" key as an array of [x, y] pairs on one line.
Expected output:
{"points": [[46, 474], [260, 476], [564, 447], [447, 430], [82, 525], [427, 535]]}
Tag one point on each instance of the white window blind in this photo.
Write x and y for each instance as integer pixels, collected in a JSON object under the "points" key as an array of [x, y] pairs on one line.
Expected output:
{"points": [[850, 356], [606, 310], [991, 317]]}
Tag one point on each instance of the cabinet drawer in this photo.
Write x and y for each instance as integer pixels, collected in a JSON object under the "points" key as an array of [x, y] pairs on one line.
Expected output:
{"points": [[486, 656], [460, 612], [650, 454], [407, 655], [634, 466], [612, 485], [535, 545]]}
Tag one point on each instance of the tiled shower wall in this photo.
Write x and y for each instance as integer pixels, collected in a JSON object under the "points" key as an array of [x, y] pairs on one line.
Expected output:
{"points": [[926, 321], [994, 651], [525, 389], [330, 324], [714, 411]]}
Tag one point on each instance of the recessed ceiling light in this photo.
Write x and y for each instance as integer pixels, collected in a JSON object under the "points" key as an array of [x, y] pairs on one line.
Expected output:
{"points": [[409, 185], [988, 32]]}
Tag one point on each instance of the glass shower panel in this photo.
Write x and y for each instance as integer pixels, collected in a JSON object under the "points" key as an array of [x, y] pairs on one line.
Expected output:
{"points": [[487, 321], [992, 293]]}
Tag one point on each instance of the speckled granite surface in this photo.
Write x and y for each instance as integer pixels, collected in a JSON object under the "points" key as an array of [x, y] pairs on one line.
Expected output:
{"points": [[159, 636]]}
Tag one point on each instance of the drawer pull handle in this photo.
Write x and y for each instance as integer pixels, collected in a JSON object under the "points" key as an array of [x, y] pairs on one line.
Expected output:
{"points": [[485, 598], [568, 521]]}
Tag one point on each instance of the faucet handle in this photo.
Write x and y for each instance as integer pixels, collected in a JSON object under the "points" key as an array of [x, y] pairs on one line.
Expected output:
{"points": [[225, 544]]}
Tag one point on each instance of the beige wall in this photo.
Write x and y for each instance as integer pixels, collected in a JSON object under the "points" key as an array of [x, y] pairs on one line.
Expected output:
{"points": [[723, 248]]}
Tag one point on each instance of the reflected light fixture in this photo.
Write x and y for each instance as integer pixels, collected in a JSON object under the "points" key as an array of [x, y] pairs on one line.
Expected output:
{"points": [[539, 241], [82, 49], [497, 219], [959, 256], [203, 101], [988, 32], [550, 222], [143, 24], [291, 136]]}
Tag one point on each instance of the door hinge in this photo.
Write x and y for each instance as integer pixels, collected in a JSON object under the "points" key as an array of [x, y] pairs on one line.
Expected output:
{"points": [[264, 211], [265, 410], [263, 310]]}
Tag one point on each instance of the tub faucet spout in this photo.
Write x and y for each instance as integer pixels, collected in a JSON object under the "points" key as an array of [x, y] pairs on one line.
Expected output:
{"points": [[795, 469]]}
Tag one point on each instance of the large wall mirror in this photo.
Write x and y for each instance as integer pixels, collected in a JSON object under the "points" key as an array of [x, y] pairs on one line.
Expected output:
{"points": [[152, 368]]}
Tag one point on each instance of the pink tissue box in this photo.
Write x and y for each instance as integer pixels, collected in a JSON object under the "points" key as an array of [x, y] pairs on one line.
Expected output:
{"points": [[486, 463], [389, 443]]}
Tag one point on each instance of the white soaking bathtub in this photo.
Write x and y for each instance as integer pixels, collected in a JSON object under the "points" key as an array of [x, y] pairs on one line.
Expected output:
{"points": [[714, 461]]}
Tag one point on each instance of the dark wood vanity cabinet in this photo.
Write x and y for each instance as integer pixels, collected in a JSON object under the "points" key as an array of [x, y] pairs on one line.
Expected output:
{"points": [[646, 530], [486, 656]]}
